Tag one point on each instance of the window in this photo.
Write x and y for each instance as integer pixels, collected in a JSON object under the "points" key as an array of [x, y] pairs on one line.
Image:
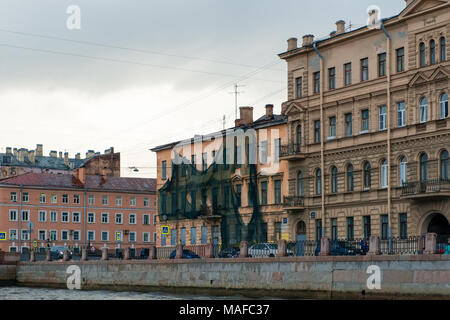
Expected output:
{"points": [[316, 82], [365, 69], [76, 235], [423, 167], [105, 217], [146, 219], [25, 235], [382, 113], [25, 215], [318, 182], [118, 201], [133, 201], [75, 217], [263, 152], [334, 229], [300, 184], [204, 161], [384, 226], [334, 180], [91, 235], [317, 131], [54, 198], [154, 237], [42, 216], [64, 235], [76, 198], [12, 234], [42, 198], [367, 175], [25, 197], [423, 110], [173, 237], [444, 165], [384, 173], [332, 127], [443, 102], [332, 78], [53, 216], [367, 229], [164, 170], [146, 202], [401, 114], [65, 198], [432, 52], [53, 235], [91, 199], [299, 137], [146, 236], [350, 228], [132, 218], [264, 192], [193, 235], [105, 235], [443, 49], [400, 59], [13, 196], [12, 215], [403, 171], [118, 218], [183, 236], [403, 223], [204, 234], [350, 180], [105, 200], [422, 54], [318, 229], [299, 81], [276, 149], [91, 217], [365, 120], [382, 64], [348, 125], [348, 74], [277, 191], [132, 237]]}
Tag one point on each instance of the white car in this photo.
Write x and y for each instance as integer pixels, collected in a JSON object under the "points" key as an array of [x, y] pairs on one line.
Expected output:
{"points": [[263, 250]]}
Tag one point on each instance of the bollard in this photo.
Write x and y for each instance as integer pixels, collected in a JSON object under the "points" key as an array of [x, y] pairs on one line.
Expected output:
{"points": [[66, 255], [281, 252], [374, 246], [48, 255], [152, 253], [324, 247], [179, 252], [126, 254], [104, 253], [32, 256], [243, 249], [84, 254], [430, 243]]}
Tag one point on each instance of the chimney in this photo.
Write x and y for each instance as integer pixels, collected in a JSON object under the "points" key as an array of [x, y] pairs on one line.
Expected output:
{"points": [[66, 158], [39, 150], [308, 40], [79, 174], [53, 154], [78, 156], [340, 27], [109, 151], [269, 110], [90, 154], [8, 150], [31, 156], [332, 34], [246, 115], [15, 152], [60, 155], [292, 44], [21, 153], [104, 175]]}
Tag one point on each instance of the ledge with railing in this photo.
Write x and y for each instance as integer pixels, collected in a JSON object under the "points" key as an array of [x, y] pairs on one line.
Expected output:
{"points": [[427, 186], [293, 202], [291, 149]]}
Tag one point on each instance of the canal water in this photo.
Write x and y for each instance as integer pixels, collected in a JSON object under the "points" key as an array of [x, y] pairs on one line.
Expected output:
{"points": [[26, 293]]}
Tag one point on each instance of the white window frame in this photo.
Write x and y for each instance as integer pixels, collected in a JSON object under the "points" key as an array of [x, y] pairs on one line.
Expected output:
{"points": [[135, 236], [146, 202], [145, 234], [79, 235], [107, 217], [89, 215], [39, 235], [401, 114], [423, 110], [121, 218], [148, 217], [27, 197], [384, 174], [76, 198], [10, 211], [105, 203], [93, 233], [62, 217], [74, 214], [25, 232], [13, 196], [42, 196], [403, 172], [65, 196], [133, 201], [15, 248], [55, 232], [91, 199], [68, 235], [129, 218], [443, 106], [382, 112], [107, 236], [45, 216], [28, 215], [15, 232], [54, 198], [118, 201], [56, 216]]}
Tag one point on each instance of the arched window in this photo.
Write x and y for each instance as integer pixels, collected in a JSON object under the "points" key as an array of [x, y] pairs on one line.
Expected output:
{"points": [[443, 49], [334, 180], [432, 52], [299, 137], [367, 176], [403, 172], [443, 102], [384, 173], [350, 185], [422, 54], [423, 109], [300, 184], [444, 165], [318, 182], [423, 167]]}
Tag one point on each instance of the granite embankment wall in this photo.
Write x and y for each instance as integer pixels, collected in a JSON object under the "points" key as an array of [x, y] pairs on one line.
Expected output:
{"points": [[295, 277]]}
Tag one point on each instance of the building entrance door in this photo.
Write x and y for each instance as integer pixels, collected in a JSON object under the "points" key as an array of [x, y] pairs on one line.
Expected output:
{"points": [[300, 238]]}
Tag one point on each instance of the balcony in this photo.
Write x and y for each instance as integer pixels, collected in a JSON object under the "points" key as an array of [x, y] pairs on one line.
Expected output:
{"points": [[425, 189], [293, 202], [291, 151]]}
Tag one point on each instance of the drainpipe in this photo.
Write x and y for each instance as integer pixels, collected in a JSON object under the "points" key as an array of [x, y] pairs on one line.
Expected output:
{"points": [[19, 236], [84, 218], [322, 146], [388, 74]]}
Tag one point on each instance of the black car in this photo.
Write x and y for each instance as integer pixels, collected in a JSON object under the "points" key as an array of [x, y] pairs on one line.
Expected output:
{"points": [[229, 253], [187, 254], [57, 252]]}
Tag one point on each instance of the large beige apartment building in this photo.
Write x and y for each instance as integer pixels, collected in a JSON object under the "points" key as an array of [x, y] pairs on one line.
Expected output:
{"points": [[368, 128]]}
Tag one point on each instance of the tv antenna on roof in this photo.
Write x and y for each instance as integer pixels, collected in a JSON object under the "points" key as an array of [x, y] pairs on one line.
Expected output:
{"points": [[236, 92]]}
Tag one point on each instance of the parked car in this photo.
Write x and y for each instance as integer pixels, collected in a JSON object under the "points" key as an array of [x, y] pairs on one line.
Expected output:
{"points": [[57, 252], [187, 254], [229, 253], [342, 248], [264, 250]]}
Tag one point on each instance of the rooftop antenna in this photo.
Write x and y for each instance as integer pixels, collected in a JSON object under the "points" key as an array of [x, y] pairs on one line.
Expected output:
{"points": [[236, 92], [223, 122]]}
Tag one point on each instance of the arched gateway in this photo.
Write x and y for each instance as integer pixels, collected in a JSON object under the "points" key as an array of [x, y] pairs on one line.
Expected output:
{"points": [[439, 224]]}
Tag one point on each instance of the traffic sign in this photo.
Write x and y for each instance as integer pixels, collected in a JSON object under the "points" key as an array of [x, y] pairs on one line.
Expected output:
{"points": [[3, 235], [35, 244], [165, 230], [118, 236], [30, 225]]}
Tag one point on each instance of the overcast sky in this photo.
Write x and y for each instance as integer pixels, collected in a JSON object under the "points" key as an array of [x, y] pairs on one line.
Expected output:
{"points": [[138, 74]]}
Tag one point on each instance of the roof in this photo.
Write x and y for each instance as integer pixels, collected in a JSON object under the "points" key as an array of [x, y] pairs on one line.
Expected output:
{"points": [[96, 182], [44, 162]]}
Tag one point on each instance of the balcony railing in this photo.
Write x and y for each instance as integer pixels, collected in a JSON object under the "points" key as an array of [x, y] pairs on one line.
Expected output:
{"points": [[428, 186], [290, 150], [293, 201]]}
